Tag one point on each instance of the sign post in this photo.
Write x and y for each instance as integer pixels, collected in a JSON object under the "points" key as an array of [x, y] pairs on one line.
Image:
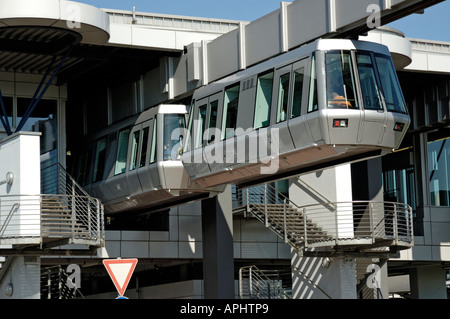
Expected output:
{"points": [[120, 271]]}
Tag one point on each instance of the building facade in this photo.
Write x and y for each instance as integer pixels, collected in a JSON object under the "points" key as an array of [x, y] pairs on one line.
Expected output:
{"points": [[136, 61]]}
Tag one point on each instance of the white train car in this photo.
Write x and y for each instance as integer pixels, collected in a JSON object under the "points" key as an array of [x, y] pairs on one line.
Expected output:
{"points": [[325, 103], [135, 164]]}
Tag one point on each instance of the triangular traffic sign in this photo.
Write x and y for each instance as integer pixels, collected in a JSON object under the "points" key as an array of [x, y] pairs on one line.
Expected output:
{"points": [[120, 271]]}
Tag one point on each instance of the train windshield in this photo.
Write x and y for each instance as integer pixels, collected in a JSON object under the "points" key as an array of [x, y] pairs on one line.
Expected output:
{"points": [[174, 130], [341, 91], [370, 89], [392, 93], [377, 79]]}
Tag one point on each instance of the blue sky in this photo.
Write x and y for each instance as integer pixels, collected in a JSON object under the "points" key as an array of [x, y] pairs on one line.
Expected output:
{"points": [[434, 24]]}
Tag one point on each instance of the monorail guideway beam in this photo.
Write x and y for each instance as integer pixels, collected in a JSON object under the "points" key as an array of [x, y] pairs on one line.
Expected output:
{"points": [[294, 24]]}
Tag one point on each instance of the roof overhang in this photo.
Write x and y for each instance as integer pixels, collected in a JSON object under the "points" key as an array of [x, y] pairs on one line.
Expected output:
{"points": [[91, 23], [35, 35]]}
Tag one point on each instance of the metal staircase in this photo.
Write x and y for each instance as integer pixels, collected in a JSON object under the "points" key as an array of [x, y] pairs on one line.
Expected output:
{"points": [[54, 284], [341, 227], [255, 283], [368, 231], [57, 219], [62, 214]]}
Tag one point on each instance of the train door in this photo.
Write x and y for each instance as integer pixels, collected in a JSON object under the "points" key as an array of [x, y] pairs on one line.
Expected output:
{"points": [[199, 125], [298, 125], [280, 111], [134, 145], [212, 147], [312, 110], [143, 157], [155, 157]]}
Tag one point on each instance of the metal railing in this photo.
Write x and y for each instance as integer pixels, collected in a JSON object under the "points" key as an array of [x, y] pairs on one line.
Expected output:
{"points": [[30, 218], [261, 284], [331, 223], [56, 180], [54, 284]]}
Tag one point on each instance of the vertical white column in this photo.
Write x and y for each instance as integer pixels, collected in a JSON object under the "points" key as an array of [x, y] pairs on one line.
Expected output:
{"points": [[20, 157]]}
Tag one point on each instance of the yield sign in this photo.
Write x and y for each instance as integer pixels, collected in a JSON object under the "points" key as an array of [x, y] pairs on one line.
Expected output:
{"points": [[120, 271]]}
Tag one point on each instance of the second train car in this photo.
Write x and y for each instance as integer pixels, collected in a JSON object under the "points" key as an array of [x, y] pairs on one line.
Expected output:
{"points": [[135, 164], [329, 102]]}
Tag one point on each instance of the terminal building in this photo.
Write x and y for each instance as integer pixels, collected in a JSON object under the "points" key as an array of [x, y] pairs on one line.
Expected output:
{"points": [[89, 101]]}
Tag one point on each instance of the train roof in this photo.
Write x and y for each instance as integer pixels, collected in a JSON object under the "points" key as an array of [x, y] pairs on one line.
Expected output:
{"points": [[290, 57]]}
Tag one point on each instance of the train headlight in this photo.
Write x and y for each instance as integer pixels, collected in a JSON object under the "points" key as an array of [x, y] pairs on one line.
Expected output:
{"points": [[399, 126], [340, 123]]}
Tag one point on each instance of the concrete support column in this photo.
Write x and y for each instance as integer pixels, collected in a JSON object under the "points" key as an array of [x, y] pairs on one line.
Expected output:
{"points": [[428, 282], [218, 257], [320, 278], [22, 279]]}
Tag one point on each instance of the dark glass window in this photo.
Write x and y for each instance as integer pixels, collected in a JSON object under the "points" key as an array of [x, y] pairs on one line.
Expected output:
{"points": [[263, 100], [122, 149], [340, 80], [100, 157], [230, 107], [298, 92]]}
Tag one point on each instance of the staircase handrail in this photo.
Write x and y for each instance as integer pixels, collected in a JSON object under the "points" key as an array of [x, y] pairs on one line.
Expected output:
{"points": [[69, 184], [261, 277], [8, 217], [376, 220], [86, 212]]}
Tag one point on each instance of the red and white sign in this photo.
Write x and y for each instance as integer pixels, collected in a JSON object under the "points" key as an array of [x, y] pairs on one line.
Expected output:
{"points": [[120, 271]]}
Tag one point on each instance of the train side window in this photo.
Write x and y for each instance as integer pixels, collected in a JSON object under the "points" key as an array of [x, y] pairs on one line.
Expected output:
{"points": [[283, 97], [296, 106], [368, 81], [212, 120], [201, 125], [134, 150], [144, 146], [313, 102], [230, 105], [340, 80], [100, 157], [263, 100], [122, 148], [82, 171], [153, 147]]}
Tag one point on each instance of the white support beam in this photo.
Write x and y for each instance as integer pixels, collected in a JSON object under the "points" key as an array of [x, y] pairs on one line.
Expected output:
{"points": [[296, 23]]}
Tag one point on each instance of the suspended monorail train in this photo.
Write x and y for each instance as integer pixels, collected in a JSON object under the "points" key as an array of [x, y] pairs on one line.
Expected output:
{"points": [[328, 102], [135, 164]]}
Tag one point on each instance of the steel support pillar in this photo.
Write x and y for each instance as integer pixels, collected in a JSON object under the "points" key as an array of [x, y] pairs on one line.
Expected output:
{"points": [[218, 257]]}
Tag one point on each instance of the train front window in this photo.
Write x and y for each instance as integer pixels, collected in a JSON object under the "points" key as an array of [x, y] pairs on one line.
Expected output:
{"points": [[174, 126], [390, 86], [369, 86], [340, 80]]}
